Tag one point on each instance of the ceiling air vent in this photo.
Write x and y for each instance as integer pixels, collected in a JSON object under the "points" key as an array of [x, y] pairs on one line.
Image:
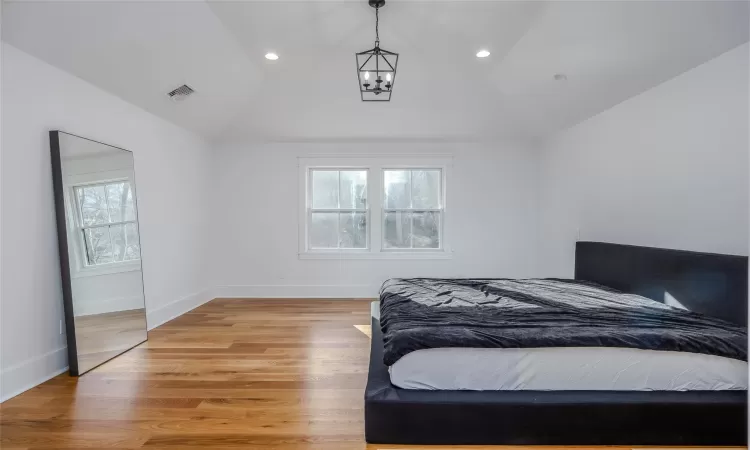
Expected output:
{"points": [[181, 93]]}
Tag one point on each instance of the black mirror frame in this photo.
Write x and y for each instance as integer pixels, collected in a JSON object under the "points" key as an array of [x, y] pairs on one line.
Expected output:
{"points": [[62, 245]]}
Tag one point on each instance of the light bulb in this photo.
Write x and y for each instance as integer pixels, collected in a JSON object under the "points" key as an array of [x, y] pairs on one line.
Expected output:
{"points": [[367, 75], [388, 77]]}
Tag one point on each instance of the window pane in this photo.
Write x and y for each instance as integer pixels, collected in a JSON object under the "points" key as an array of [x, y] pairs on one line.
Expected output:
{"points": [[93, 205], [397, 229], [425, 185], [324, 230], [325, 189], [353, 230], [120, 198], [397, 189], [353, 189], [426, 230], [117, 233], [114, 193], [129, 204], [133, 242], [98, 245]]}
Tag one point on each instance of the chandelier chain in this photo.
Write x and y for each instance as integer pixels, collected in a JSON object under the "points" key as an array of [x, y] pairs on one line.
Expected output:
{"points": [[377, 22]]}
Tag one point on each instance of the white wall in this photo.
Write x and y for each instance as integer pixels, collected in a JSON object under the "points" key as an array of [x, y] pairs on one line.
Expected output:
{"points": [[105, 293], [667, 168], [491, 198], [170, 166]]}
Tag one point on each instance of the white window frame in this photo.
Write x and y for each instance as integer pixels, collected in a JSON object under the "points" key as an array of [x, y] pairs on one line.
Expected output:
{"points": [[75, 224], [375, 165]]}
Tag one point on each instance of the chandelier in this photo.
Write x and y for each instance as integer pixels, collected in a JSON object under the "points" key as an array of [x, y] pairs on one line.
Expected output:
{"points": [[376, 68]]}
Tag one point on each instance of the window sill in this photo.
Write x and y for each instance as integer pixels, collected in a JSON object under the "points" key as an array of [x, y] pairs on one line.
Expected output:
{"points": [[108, 269], [387, 255]]}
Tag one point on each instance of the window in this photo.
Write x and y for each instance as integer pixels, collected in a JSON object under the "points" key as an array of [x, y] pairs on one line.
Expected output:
{"points": [[412, 208], [107, 223], [338, 212], [369, 207]]}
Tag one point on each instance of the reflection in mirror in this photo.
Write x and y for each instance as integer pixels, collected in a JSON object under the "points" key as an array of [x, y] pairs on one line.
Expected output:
{"points": [[95, 196]]}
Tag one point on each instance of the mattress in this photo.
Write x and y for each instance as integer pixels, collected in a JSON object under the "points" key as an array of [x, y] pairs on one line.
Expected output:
{"points": [[566, 369], [579, 368]]}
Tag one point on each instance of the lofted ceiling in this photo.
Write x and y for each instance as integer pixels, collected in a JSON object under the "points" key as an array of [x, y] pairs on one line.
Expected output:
{"points": [[608, 50]]}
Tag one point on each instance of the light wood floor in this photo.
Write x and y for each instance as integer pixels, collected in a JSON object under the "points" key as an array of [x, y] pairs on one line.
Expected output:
{"points": [[239, 374]]}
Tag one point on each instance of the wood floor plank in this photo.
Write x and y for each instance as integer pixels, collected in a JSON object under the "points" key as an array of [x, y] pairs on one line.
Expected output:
{"points": [[231, 374]]}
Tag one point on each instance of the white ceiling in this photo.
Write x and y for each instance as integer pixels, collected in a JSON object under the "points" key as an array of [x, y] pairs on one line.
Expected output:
{"points": [[609, 50]]}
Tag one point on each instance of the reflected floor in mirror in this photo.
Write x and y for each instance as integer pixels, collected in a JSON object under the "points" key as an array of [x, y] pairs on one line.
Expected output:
{"points": [[100, 337], [231, 374]]}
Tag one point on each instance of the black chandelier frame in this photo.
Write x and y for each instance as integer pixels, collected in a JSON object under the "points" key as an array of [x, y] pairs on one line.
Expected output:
{"points": [[385, 63]]}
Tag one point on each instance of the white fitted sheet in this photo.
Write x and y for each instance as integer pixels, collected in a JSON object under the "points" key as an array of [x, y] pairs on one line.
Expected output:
{"points": [[566, 368]]}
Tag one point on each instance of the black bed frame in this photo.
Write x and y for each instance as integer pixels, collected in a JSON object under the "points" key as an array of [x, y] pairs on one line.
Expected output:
{"points": [[709, 283]]}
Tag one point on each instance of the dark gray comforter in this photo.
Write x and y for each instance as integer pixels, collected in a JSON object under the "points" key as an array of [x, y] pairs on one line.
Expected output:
{"points": [[422, 313]]}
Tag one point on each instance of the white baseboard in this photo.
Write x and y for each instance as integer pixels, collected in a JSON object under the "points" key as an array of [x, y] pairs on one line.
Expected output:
{"points": [[34, 371], [177, 308], [297, 291]]}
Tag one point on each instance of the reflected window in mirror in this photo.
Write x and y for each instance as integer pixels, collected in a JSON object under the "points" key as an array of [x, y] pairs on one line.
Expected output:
{"points": [[108, 231], [102, 215]]}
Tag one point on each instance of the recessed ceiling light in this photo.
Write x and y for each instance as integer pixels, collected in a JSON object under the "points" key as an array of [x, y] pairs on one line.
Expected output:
{"points": [[483, 54], [560, 77], [272, 56]]}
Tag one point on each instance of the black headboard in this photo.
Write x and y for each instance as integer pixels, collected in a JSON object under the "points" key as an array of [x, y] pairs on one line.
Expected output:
{"points": [[707, 283]]}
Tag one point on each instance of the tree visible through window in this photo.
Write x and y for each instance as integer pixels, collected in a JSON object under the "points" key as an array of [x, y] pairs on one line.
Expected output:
{"points": [[107, 221], [338, 209], [412, 209]]}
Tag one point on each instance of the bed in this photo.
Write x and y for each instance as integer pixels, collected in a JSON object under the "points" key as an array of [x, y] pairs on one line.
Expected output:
{"points": [[685, 387]]}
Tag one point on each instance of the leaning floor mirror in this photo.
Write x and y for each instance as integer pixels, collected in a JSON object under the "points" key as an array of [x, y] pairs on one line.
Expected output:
{"points": [[100, 251]]}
